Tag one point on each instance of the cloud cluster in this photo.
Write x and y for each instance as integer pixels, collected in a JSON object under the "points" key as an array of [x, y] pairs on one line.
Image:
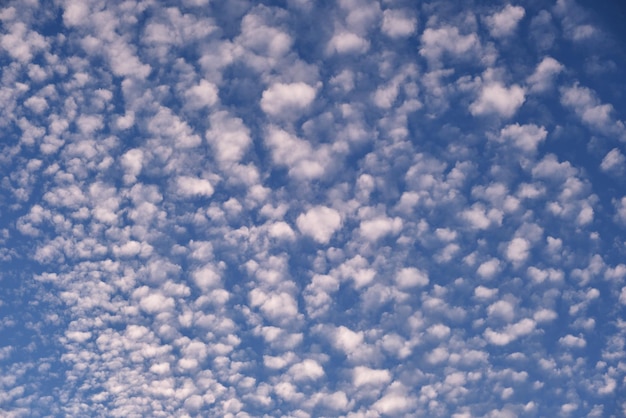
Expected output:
{"points": [[222, 209]]}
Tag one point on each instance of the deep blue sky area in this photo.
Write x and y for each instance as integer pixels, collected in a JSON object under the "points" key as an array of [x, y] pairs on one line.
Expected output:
{"points": [[351, 208]]}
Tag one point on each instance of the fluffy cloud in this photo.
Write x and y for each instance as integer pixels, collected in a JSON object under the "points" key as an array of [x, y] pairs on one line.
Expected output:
{"points": [[447, 40], [190, 186], [320, 223], [398, 23], [219, 209], [495, 98], [503, 23], [284, 99], [524, 137]]}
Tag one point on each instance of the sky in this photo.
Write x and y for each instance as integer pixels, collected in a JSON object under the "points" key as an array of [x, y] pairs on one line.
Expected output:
{"points": [[297, 208]]}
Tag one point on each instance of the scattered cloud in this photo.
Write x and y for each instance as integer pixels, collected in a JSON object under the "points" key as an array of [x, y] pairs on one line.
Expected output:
{"points": [[224, 209]]}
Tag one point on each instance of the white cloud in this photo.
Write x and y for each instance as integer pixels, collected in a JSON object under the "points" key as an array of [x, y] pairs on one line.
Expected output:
{"points": [[364, 376], [502, 309], [435, 43], [192, 186], [303, 161], [485, 293], [524, 137], [591, 110], [398, 23], [572, 341], [375, 229], [489, 268], [543, 77], [132, 162], [306, 370], [495, 98], [320, 223], [510, 333], [395, 401], [613, 161], [278, 307], [503, 23], [346, 340], [347, 43], [411, 277], [206, 277], [280, 100], [517, 250], [75, 12], [229, 137], [203, 94]]}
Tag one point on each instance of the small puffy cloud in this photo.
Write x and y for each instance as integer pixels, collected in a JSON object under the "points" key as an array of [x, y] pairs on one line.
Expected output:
{"points": [[613, 161], [502, 309], [510, 333], [78, 336], [504, 22], [374, 229], [591, 111], [395, 402], [489, 268], [192, 186], [411, 277], [281, 230], [620, 208], [346, 340], [279, 307], [229, 137], [484, 293], [524, 137], [306, 370], [36, 104], [320, 223], [203, 94], [398, 23], [572, 341], [155, 302], [478, 218], [543, 77], [495, 98], [364, 376], [132, 162], [446, 40], [347, 43], [280, 100], [206, 277], [76, 12], [517, 250], [545, 315], [304, 162]]}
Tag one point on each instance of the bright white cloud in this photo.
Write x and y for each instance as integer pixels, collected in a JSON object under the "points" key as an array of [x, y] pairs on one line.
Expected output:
{"points": [[281, 99], [503, 23], [613, 160], [543, 77], [524, 137], [517, 250], [447, 40], [320, 223], [495, 98], [411, 277], [191, 186], [222, 210], [398, 23], [347, 43]]}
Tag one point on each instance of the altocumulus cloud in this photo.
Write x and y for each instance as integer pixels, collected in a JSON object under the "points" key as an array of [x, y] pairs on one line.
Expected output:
{"points": [[354, 208]]}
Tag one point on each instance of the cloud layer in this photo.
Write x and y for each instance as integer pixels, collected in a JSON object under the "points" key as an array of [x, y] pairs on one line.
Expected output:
{"points": [[353, 208]]}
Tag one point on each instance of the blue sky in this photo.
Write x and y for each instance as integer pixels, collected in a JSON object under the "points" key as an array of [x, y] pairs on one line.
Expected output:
{"points": [[349, 208]]}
